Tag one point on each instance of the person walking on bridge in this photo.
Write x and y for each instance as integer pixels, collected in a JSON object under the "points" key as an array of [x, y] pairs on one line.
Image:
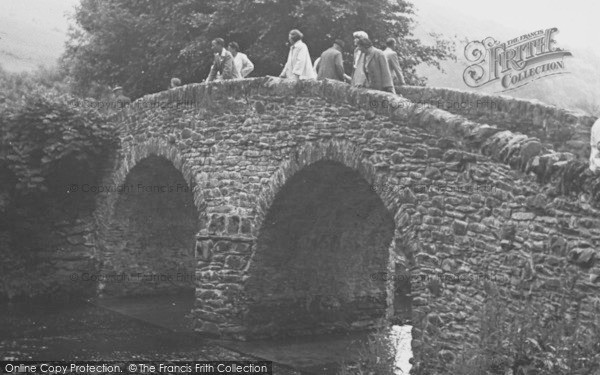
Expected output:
{"points": [[372, 70], [358, 35], [392, 58], [298, 65], [241, 60], [331, 64], [223, 62]]}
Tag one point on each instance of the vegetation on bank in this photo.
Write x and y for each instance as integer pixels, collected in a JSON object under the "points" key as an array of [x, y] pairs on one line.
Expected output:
{"points": [[523, 339], [515, 339], [46, 143], [42, 127], [377, 355]]}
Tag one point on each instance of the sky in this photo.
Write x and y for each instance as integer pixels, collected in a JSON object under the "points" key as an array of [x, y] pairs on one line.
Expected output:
{"points": [[575, 19], [34, 31]]}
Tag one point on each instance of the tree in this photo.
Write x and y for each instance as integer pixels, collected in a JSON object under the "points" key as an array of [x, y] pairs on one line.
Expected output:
{"points": [[141, 44], [137, 44], [262, 27]]}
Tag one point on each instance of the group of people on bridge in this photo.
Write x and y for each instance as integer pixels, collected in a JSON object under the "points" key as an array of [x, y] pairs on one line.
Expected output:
{"points": [[372, 68]]}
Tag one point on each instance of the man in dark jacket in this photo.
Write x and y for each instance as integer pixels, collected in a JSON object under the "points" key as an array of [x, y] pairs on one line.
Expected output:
{"points": [[331, 63], [372, 69]]}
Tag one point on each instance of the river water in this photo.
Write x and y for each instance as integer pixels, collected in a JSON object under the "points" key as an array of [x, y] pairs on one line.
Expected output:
{"points": [[156, 328]]}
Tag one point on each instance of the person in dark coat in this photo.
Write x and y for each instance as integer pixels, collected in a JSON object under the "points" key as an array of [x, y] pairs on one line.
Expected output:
{"points": [[331, 63], [372, 69]]}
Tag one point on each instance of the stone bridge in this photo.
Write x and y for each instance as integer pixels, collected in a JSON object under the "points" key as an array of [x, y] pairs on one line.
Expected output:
{"points": [[312, 207]]}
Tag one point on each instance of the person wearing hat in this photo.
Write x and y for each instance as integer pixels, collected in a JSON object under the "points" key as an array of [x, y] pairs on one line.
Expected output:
{"points": [[392, 58], [298, 65], [121, 99], [331, 63]]}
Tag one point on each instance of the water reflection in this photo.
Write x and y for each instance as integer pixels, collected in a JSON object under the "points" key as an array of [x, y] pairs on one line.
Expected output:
{"points": [[155, 328], [402, 337]]}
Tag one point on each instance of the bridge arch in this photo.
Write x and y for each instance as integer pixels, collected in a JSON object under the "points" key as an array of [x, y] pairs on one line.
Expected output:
{"points": [[342, 186], [133, 153], [149, 216], [343, 152]]}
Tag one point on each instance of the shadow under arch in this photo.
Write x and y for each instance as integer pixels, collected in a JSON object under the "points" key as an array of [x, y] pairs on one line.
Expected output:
{"points": [[343, 152], [132, 154], [150, 221], [325, 237]]}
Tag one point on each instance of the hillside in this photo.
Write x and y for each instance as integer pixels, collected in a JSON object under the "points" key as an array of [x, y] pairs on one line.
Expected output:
{"points": [[578, 90], [32, 32]]}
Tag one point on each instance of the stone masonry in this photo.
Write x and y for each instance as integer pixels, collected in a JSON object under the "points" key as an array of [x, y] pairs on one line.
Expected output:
{"points": [[293, 204]]}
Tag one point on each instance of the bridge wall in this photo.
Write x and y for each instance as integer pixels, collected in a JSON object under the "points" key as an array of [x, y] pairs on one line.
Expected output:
{"points": [[559, 129], [472, 205]]}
